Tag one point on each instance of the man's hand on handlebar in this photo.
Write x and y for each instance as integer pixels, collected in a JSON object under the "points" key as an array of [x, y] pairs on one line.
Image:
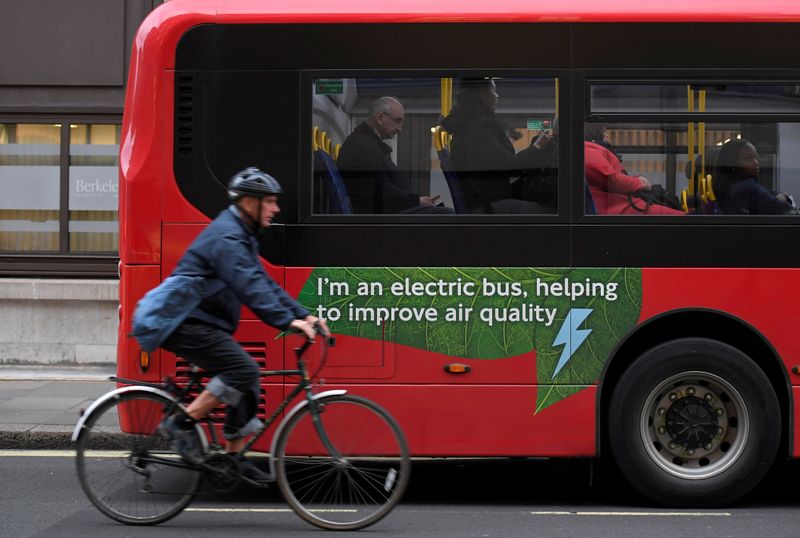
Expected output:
{"points": [[309, 326], [303, 327], [319, 323]]}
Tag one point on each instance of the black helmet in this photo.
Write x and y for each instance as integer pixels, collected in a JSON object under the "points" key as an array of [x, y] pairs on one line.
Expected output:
{"points": [[252, 182]]}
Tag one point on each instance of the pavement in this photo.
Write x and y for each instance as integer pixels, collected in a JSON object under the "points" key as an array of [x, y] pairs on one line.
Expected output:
{"points": [[40, 405]]}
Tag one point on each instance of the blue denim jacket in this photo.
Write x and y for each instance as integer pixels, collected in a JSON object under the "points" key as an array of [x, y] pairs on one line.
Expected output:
{"points": [[227, 249]]}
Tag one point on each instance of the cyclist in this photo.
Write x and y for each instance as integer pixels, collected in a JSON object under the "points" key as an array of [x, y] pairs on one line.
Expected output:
{"points": [[227, 250]]}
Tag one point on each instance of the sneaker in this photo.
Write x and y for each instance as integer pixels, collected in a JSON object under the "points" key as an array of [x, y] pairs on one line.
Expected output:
{"points": [[184, 442], [251, 472]]}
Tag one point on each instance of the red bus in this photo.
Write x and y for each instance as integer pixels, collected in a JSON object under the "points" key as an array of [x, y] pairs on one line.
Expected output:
{"points": [[542, 322]]}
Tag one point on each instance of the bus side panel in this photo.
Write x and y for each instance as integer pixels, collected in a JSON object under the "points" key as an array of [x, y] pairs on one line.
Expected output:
{"points": [[478, 420], [135, 281], [353, 358], [484, 420], [359, 360], [146, 148], [796, 418], [765, 298]]}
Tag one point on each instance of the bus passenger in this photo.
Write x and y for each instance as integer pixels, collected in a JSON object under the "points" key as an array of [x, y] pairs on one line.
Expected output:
{"points": [[736, 185], [226, 251], [610, 184], [374, 183], [482, 154]]}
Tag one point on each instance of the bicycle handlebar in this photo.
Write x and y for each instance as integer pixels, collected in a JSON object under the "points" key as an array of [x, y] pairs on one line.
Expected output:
{"points": [[328, 340]]}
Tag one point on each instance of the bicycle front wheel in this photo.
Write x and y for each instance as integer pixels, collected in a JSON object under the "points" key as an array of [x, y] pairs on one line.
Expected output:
{"points": [[361, 481], [126, 468]]}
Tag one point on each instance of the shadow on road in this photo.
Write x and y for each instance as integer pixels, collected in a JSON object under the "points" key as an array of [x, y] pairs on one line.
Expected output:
{"points": [[512, 482]]}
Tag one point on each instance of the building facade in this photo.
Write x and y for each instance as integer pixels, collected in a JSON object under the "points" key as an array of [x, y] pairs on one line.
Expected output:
{"points": [[62, 86]]}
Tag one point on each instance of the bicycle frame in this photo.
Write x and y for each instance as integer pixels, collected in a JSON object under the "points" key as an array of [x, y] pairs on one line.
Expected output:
{"points": [[305, 384]]}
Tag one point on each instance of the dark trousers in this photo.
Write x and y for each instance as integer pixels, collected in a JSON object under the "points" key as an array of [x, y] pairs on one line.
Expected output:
{"points": [[236, 380]]}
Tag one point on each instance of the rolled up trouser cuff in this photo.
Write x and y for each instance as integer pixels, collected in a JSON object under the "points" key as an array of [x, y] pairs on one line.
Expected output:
{"points": [[252, 425], [224, 393]]}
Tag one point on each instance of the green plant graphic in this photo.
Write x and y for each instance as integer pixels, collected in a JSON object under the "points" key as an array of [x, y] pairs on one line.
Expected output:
{"points": [[496, 295]]}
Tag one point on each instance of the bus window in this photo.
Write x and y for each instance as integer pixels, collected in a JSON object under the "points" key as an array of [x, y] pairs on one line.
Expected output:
{"points": [[729, 155], [442, 146], [711, 181]]}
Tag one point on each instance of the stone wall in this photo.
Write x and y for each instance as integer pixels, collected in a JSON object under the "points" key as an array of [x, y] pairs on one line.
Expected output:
{"points": [[58, 322]]}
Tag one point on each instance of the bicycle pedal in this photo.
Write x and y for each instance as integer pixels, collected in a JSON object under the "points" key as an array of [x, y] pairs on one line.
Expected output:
{"points": [[259, 484]]}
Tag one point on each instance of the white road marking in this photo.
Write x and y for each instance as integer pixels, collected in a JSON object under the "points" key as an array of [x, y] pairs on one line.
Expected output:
{"points": [[649, 514], [37, 453], [67, 453], [268, 510]]}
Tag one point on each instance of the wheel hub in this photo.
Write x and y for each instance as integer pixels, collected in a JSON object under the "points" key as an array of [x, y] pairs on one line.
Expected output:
{"points": [[691, 422]]}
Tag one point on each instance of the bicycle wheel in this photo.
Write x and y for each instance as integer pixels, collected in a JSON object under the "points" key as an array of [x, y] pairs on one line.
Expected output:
{"points": [[359, 487], [126, 468]]}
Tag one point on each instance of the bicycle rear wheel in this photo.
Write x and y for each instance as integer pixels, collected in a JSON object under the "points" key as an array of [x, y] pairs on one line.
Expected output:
{"points": [[361, 486], [126, 468]]}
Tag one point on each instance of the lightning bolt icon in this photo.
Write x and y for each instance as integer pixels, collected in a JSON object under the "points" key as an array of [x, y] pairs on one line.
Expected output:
{"points": [[571, 336]]}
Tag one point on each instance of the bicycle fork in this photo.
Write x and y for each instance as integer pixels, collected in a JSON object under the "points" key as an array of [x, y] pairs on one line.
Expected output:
{"points": [[317, 409]]}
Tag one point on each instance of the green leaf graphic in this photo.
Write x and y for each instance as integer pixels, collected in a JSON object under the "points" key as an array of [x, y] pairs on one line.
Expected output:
{"points": [[609, 322], [499, 292]]}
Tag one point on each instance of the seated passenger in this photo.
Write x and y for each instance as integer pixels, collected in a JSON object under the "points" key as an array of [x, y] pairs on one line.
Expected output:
{"points": [[374, 183], [610, 184], [482, 155], [736, 185]]}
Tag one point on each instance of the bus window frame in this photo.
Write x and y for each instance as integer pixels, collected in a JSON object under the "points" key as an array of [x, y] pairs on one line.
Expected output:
{"points": [[305, 214], [582, 114]]}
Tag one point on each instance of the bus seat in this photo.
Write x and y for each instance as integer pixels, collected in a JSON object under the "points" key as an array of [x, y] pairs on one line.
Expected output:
{"points": [[456, 193], [588, 200], [440, 139], [332, 183]]}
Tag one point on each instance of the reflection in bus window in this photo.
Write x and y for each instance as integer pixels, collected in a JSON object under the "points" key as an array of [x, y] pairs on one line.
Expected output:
{"points": [[696, 177], [723, 97], [396, 146]]}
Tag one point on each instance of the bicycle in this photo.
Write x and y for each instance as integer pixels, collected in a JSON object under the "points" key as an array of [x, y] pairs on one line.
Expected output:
{"points": [[340, 460]]}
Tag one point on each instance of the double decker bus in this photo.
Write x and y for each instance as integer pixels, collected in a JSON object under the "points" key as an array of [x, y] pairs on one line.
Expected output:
{"points": [[543, 323]]}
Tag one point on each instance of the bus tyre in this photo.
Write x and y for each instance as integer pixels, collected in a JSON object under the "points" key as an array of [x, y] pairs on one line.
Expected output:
{"points": [[694, 422]]}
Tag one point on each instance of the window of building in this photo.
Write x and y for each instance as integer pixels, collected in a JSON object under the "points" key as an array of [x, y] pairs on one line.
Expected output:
{"points": [[93, 188], [59, 183], [30, 156], [435, 146]]}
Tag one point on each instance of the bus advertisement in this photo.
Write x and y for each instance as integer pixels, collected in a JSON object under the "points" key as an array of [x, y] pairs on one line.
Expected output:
{"points": [[536, 231]]}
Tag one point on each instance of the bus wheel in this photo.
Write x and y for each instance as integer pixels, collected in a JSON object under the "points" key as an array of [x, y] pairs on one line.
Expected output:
{"points": [[694, 422]]}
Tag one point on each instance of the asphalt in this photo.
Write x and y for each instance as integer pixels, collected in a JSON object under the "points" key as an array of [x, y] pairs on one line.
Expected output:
{"points": [[39, 406]]}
